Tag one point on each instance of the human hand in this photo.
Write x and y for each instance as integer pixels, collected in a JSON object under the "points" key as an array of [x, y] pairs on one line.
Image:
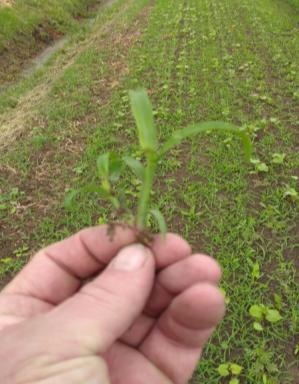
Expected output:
{"points": [[142, 317]]}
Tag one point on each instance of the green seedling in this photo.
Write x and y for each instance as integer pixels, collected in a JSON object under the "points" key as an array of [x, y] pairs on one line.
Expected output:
{"points": [[230, 369], [259, 165], [278, 158], [110, 166], [260, 313], [291, 193]]}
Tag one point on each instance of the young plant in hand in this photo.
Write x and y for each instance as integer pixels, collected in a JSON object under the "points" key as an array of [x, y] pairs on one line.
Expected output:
{"points": [[110, 165]]}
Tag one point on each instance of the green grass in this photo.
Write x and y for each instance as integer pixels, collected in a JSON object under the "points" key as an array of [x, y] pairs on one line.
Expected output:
{"points": [[232, 60], [295, 3], [25, 15]]}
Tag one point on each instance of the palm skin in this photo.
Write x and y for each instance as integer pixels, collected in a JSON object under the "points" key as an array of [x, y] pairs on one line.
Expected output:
{"points": [[68, 318]]}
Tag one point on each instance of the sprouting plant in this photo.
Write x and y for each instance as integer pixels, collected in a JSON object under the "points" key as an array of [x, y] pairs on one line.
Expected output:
{"points": [[291, 193], [259, 165], [278, 158], [110, 165], [230, 369], [261, 312]]}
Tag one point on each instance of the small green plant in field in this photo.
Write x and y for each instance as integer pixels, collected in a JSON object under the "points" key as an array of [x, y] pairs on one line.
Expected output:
{"points": [[278, 158], [9, 201], [263, 368], [21, 251], [110, 165], [230, 369], [291, 193], [259, 165], [261, 312]]}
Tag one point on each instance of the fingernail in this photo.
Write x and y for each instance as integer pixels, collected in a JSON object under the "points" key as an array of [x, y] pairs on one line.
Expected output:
{"points": [[130, 258]]}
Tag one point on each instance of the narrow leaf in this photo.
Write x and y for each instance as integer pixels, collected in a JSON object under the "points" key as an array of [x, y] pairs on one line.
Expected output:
{"points": [[114, 166], [143, 114], [136, 167], [160, 220], [115, 202], [90, 188], [178, 136], [103, 165]]}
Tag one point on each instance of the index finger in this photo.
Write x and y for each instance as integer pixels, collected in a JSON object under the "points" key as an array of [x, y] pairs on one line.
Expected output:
{"points": [[56, 272]]}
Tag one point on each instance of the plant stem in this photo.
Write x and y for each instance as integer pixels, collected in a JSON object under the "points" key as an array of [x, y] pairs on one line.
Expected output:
{"points": [[145, 193]]}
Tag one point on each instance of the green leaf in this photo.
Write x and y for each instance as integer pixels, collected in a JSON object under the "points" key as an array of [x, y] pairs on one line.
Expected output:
{"points": [[258, 326], [273, 316], [226, 298], [223, 370], [235, 369], [178, 136], [115, 202], [278, 301], [256, 311], [272, 368], [103, 165], [90, 188], [262, 167], [291, 192], [69, 199], [160, 220], [256, 271], [136, 167], [234, 380], [278, 158], [255, 161], [143, 114], [114, 167], [6, 260]]}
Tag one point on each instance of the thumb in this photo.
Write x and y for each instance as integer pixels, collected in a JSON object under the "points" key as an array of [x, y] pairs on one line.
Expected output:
{"points": [[103, 310]]}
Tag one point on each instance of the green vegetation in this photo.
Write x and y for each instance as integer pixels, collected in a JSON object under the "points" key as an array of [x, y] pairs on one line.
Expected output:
{"points": [[295, 3], [110, 166], [24, 16], [232, 60]]}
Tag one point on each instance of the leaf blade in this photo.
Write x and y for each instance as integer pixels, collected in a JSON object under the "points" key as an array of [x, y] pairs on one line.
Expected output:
{"points": [[194, 129], [136, 167], [143, 114], [158, 216], [90, 188], [103, 165]]}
